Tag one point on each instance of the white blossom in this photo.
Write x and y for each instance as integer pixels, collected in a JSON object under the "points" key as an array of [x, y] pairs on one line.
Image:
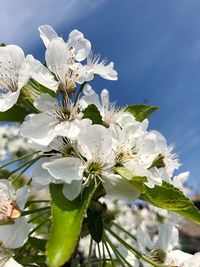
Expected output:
{"points": [[14, 229]]}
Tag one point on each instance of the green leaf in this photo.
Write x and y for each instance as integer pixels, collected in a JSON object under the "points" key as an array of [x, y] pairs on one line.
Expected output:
{"points": [[141, 112], [171, 198], [37, 243], [15, 114], [158, 162], [92, 113], [32, 84], [136, 181], [32, 259], [67, 218], [95, 225]]}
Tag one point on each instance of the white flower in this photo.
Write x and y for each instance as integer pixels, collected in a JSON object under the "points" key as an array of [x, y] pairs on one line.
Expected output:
{"points": [[63, 59], [95, 162], [109, 112], [53, 121], [14, 229], [15, 72], [11, 78], [182, 259]]}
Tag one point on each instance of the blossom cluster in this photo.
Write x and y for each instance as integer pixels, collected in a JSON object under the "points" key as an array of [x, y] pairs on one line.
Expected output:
{"points": [[81, 141]]}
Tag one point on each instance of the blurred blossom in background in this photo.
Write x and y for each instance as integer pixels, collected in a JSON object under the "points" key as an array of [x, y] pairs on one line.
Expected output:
{"points": [[154, 44]]}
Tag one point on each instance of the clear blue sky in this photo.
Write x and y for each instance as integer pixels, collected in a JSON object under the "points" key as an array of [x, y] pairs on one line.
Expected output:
{"points": [[155, 45]]}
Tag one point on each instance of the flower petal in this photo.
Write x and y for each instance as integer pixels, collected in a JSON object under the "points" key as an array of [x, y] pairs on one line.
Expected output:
{"points": [[81, 45], [119, 188], [14, 235], [8, 100], [39, 128], [38, 72], [65, 169], [72, 190], [22, 196], [47, 34], [12, 263]]}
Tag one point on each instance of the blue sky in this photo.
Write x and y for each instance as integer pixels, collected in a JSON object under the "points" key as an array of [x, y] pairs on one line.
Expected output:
{"points": [[155, 45]]}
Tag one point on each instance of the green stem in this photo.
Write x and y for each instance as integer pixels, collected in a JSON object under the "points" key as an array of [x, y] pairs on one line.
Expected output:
{"points": [[90, 253], [119, 256], [36, 228], [123, 230], [15, 160], [108, 250], [100, 259], [38, 216], [24, 213], [133, 250], [22, 166], [24, 170]]}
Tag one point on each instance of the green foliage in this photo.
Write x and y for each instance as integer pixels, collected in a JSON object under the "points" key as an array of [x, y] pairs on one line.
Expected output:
{"points": [[37, 243], [141, 112], [158, 162], [165, 196], [95, 225], [92, 113], [67, 218], [32, 84], [15, 114], [171, 198]]}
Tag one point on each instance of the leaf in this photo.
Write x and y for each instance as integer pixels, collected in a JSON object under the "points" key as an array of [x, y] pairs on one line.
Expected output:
{"points": [[92, 113], [32, 259], [37, 243], [171, 198], [15, 114], [165, 196], [95, 225], [32, 84], [136, 181], [141, 112], [67, 218], [158, 162]]}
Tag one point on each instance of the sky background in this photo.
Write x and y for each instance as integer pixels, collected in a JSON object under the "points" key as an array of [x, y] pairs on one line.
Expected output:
{"points": [[155, 45]]}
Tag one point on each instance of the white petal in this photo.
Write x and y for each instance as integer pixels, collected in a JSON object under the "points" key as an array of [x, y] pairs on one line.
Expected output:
{"points": [[39, 73], [45, 102], [13, 55], [65, 169], [22, 196], [39, 128], [8, 100], [12, 263], [40, 175], [106, 72], [91, 98], [179, 257], [57, 56], [47, 34], [95, 142], [81, 45], [194, 261], [14, 235], [119, 188], [165, 237], [72, 190]]}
